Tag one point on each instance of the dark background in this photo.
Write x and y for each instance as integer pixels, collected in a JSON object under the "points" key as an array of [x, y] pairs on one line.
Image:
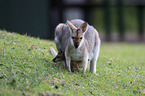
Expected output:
{"points": [[115, 20], [25, 16]]}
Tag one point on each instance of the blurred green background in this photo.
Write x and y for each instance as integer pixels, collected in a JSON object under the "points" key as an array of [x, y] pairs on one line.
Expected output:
{"points": [[130, 22]]}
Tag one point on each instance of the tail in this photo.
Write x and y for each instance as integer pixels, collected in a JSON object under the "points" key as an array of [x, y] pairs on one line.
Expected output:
{"points": [[53, 52]]}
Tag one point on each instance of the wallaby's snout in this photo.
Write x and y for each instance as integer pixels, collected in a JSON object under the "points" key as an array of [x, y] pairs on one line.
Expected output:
{"points": [[56, 59], [60, 57], [76, 44]]}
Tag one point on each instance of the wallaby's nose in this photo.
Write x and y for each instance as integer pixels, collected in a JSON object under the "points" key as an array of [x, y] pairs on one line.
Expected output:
{"points": [[76, 45]]}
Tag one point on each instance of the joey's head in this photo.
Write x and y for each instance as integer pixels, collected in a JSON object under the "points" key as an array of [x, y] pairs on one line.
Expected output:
{"points": [[60, 57], [77, 34]]}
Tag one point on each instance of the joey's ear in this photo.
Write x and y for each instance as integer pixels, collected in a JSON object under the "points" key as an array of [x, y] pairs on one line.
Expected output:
{"points": [[71, 26], [84, 27]]}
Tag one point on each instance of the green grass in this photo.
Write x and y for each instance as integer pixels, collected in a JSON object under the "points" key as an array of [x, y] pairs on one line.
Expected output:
{"points": [[26, 68]]}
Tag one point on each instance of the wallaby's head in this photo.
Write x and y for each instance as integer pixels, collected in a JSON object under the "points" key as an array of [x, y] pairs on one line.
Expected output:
{"points": [[59, 57], [77, 34]]}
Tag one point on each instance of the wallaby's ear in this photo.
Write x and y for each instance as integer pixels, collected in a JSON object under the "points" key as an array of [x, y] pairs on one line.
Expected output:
{"points": [[84, 26], [71, 26]]}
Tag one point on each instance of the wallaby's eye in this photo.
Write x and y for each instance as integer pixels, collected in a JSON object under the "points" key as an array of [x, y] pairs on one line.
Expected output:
{"points": [[73, 37], [80, 37]]}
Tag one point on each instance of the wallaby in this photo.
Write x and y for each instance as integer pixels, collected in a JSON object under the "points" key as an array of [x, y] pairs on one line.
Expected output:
{"points": [[80, 42], [61, 57]]}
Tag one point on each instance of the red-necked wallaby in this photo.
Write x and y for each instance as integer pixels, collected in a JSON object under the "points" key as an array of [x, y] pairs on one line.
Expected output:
{"points": [[80, 42]]}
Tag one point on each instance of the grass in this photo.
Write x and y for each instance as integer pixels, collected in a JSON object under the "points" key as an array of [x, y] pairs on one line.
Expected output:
{"points": [[26, 69]]}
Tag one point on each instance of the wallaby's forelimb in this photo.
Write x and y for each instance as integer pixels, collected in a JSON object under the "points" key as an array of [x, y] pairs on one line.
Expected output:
{"points": [[68, 61], [85, 63]]}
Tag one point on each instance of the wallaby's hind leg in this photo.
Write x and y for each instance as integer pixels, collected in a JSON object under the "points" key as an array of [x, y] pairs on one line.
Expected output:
{"points": [[95, 57], [93, 65]]}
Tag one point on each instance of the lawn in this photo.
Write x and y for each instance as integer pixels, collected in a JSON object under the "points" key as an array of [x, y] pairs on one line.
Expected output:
{"points": [[26, 69]]}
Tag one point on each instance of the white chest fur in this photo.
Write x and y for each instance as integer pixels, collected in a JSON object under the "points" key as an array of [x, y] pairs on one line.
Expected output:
{"points": [[76, 54]]}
